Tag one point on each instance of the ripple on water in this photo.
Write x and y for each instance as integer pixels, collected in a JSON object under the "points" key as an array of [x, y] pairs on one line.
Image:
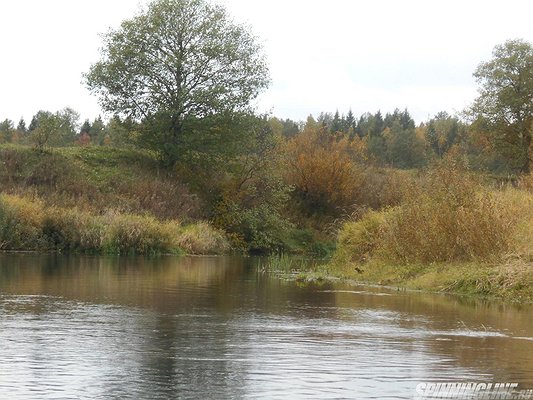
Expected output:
{"points": [[146, 335]]}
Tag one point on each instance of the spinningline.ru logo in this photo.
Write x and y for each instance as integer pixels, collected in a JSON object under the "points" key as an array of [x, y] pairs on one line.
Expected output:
{"points": [[472, 391]]}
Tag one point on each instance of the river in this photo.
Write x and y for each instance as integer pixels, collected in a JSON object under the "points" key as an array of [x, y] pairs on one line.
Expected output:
{"points": [[85, 327]]}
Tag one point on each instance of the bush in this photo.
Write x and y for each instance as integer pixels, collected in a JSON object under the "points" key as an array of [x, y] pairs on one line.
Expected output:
{"points": [[74, 230], [448, 217], [310, 242], [21, 224], [358, 240], [133, 234], [202, 238], [322, 172]]}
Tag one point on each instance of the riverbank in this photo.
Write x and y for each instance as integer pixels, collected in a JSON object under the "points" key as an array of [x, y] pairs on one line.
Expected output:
{"points": [[94, 185], [31, 225], [511, 281], [99, 200], [452, 233]]}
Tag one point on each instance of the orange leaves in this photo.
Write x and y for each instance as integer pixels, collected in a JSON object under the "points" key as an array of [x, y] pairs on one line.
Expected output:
{"points": [[321, 169]]}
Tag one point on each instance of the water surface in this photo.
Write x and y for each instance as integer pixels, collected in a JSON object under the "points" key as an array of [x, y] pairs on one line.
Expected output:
{"points": [[106, 327]]}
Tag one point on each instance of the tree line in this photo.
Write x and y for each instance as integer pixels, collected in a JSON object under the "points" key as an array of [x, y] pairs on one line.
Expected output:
{"points": [[391, 139], [179, 80]]}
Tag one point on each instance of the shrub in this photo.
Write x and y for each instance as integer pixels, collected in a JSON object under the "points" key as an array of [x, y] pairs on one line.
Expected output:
{"points": [[74, 230], [20, 223], [259, 229], [448, 217], [133, 234], [358, 240], [202, 238], [321, 170]]}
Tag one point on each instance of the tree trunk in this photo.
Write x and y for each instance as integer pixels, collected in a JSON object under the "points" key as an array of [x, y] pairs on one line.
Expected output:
{"points": [[526, 145]]}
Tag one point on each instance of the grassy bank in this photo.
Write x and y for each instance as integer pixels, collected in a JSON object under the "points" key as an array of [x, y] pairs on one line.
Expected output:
{"points": [[97, 179], [510, 280], [98, 200], [452, 233], [30, 224]]}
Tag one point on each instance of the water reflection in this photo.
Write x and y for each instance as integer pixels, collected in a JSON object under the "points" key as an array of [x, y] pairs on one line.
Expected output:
{"points": [[105, 327]]}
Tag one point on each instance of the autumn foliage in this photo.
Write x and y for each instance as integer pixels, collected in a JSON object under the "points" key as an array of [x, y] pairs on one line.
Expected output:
{"points": [[321, 170]]}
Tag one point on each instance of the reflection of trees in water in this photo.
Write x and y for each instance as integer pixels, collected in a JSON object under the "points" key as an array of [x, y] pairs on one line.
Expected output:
{"points": [[183, 316], [122, 280], [172, 350]]}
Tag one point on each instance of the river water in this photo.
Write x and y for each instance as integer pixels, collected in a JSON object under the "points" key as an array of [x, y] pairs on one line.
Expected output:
{"points": [[217, 327]]}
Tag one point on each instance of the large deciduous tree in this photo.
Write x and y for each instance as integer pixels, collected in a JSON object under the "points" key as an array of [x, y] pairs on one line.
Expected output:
{"points": [[506, 100], [178, 61]]}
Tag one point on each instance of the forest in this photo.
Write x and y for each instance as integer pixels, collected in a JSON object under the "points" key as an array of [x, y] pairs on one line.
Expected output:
{"points": [[183, 164]]}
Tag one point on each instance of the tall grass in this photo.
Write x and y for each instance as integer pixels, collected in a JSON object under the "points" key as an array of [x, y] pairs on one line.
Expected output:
{"points": [[21, 223], [30, 225], [448, 217], [73, 230], [202, 238]]}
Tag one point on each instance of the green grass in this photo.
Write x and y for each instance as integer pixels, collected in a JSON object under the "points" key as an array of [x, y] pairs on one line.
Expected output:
{"points": [[97, 179], [511, 280]]}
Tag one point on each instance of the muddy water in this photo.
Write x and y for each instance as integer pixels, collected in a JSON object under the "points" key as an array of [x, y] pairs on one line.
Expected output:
{"points": [[101, 328]]}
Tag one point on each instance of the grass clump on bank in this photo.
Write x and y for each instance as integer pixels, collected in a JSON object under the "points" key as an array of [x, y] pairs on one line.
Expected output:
{"points": [[30, 225], [450, 234]]}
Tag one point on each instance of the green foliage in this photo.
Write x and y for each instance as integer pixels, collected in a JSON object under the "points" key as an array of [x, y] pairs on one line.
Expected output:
{"points": [[506, 90], [97, 131], [403, 147], [442, 132], [389, 141], [120, 133], [310, 242], [54, 129], [252, 216], [46, 130], [7, 130], [177, 61], [235, 167]]}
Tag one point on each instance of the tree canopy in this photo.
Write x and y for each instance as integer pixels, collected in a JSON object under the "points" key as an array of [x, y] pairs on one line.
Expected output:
{"points": [[178, 61], [506, 99]]}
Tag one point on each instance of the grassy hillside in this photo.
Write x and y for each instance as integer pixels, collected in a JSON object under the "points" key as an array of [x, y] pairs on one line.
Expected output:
{"points": [[98, 200], [96, 179]]}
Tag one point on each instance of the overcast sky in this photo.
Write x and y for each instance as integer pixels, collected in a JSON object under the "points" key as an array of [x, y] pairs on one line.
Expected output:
{"points": [[366, 55]]}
